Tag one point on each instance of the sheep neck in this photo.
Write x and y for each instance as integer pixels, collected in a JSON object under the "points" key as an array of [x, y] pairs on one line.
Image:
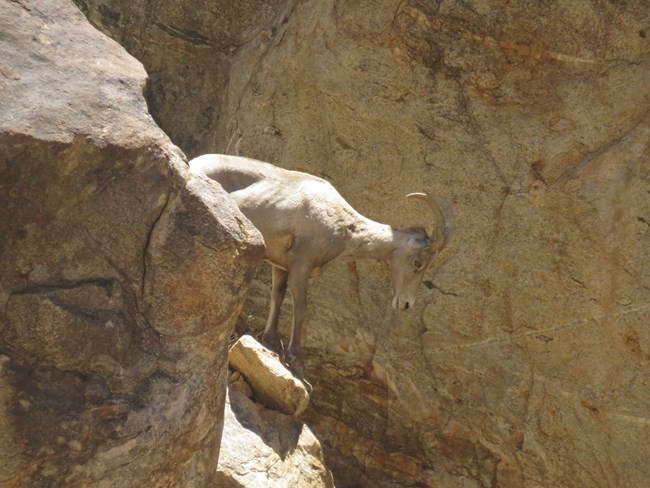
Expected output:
{"points": [[371, 240]]}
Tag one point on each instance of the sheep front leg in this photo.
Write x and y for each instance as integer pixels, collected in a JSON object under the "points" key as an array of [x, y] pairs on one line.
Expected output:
{"points": [[298, 277], [270, 338]]}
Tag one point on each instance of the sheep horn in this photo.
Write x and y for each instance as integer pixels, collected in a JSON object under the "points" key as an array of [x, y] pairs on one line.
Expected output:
{"points": [[444, 218]]}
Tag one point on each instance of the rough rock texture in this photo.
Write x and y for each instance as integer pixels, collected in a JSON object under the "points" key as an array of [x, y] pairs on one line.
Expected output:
{"points": [[121, 275], [263, 448], [273, 384], [186, 48], [527, 360]]}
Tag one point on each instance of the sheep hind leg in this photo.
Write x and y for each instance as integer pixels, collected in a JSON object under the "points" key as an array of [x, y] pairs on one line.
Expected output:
{"points": [[270, 337], [298, 278]]}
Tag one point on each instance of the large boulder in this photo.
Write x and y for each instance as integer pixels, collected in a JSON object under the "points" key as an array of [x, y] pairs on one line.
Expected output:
{"points": [[525, 360], [121, 274], [186, 48]]}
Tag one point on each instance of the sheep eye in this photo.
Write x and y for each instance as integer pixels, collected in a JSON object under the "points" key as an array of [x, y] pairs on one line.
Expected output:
{"points": [[417, 264]]}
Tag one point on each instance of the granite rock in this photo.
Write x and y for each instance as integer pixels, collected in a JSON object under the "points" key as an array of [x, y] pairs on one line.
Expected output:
{"points": [[121, 274], [526, 360], [263, 448], [272, 382]]}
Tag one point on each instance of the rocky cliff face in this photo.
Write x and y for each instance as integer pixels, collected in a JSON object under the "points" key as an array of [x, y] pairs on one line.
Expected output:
{"points": [[122, 275], [526, 361], [187, 50]]}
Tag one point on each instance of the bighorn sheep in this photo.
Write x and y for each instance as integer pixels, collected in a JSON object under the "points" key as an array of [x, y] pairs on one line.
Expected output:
{"points": [[306, 224]]}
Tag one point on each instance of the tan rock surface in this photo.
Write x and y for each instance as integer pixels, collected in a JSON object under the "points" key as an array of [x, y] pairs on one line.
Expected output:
{"points": [[274, 385], [527, 360], [263, 448], [120, 274], [186, 48]]}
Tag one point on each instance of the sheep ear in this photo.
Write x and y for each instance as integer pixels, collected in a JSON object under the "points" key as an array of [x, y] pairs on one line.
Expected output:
{"points": [[419, 242]]}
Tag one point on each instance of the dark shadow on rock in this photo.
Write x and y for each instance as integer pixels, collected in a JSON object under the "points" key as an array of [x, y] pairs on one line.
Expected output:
{"points": [[278, 431]]}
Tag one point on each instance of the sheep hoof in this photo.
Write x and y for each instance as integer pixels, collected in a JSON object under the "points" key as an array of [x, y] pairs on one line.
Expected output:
{"points": [[273, 343], [296, 365]]}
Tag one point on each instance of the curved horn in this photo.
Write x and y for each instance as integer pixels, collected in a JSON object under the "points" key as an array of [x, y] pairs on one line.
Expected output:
{"points": [[444, 218]]}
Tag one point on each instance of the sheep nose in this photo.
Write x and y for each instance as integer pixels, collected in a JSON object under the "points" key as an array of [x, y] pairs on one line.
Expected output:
{"points": [[398, 304]]}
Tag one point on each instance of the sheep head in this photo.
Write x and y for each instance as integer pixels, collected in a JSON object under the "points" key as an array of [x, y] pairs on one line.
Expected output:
{"points": [[410, 260]]}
